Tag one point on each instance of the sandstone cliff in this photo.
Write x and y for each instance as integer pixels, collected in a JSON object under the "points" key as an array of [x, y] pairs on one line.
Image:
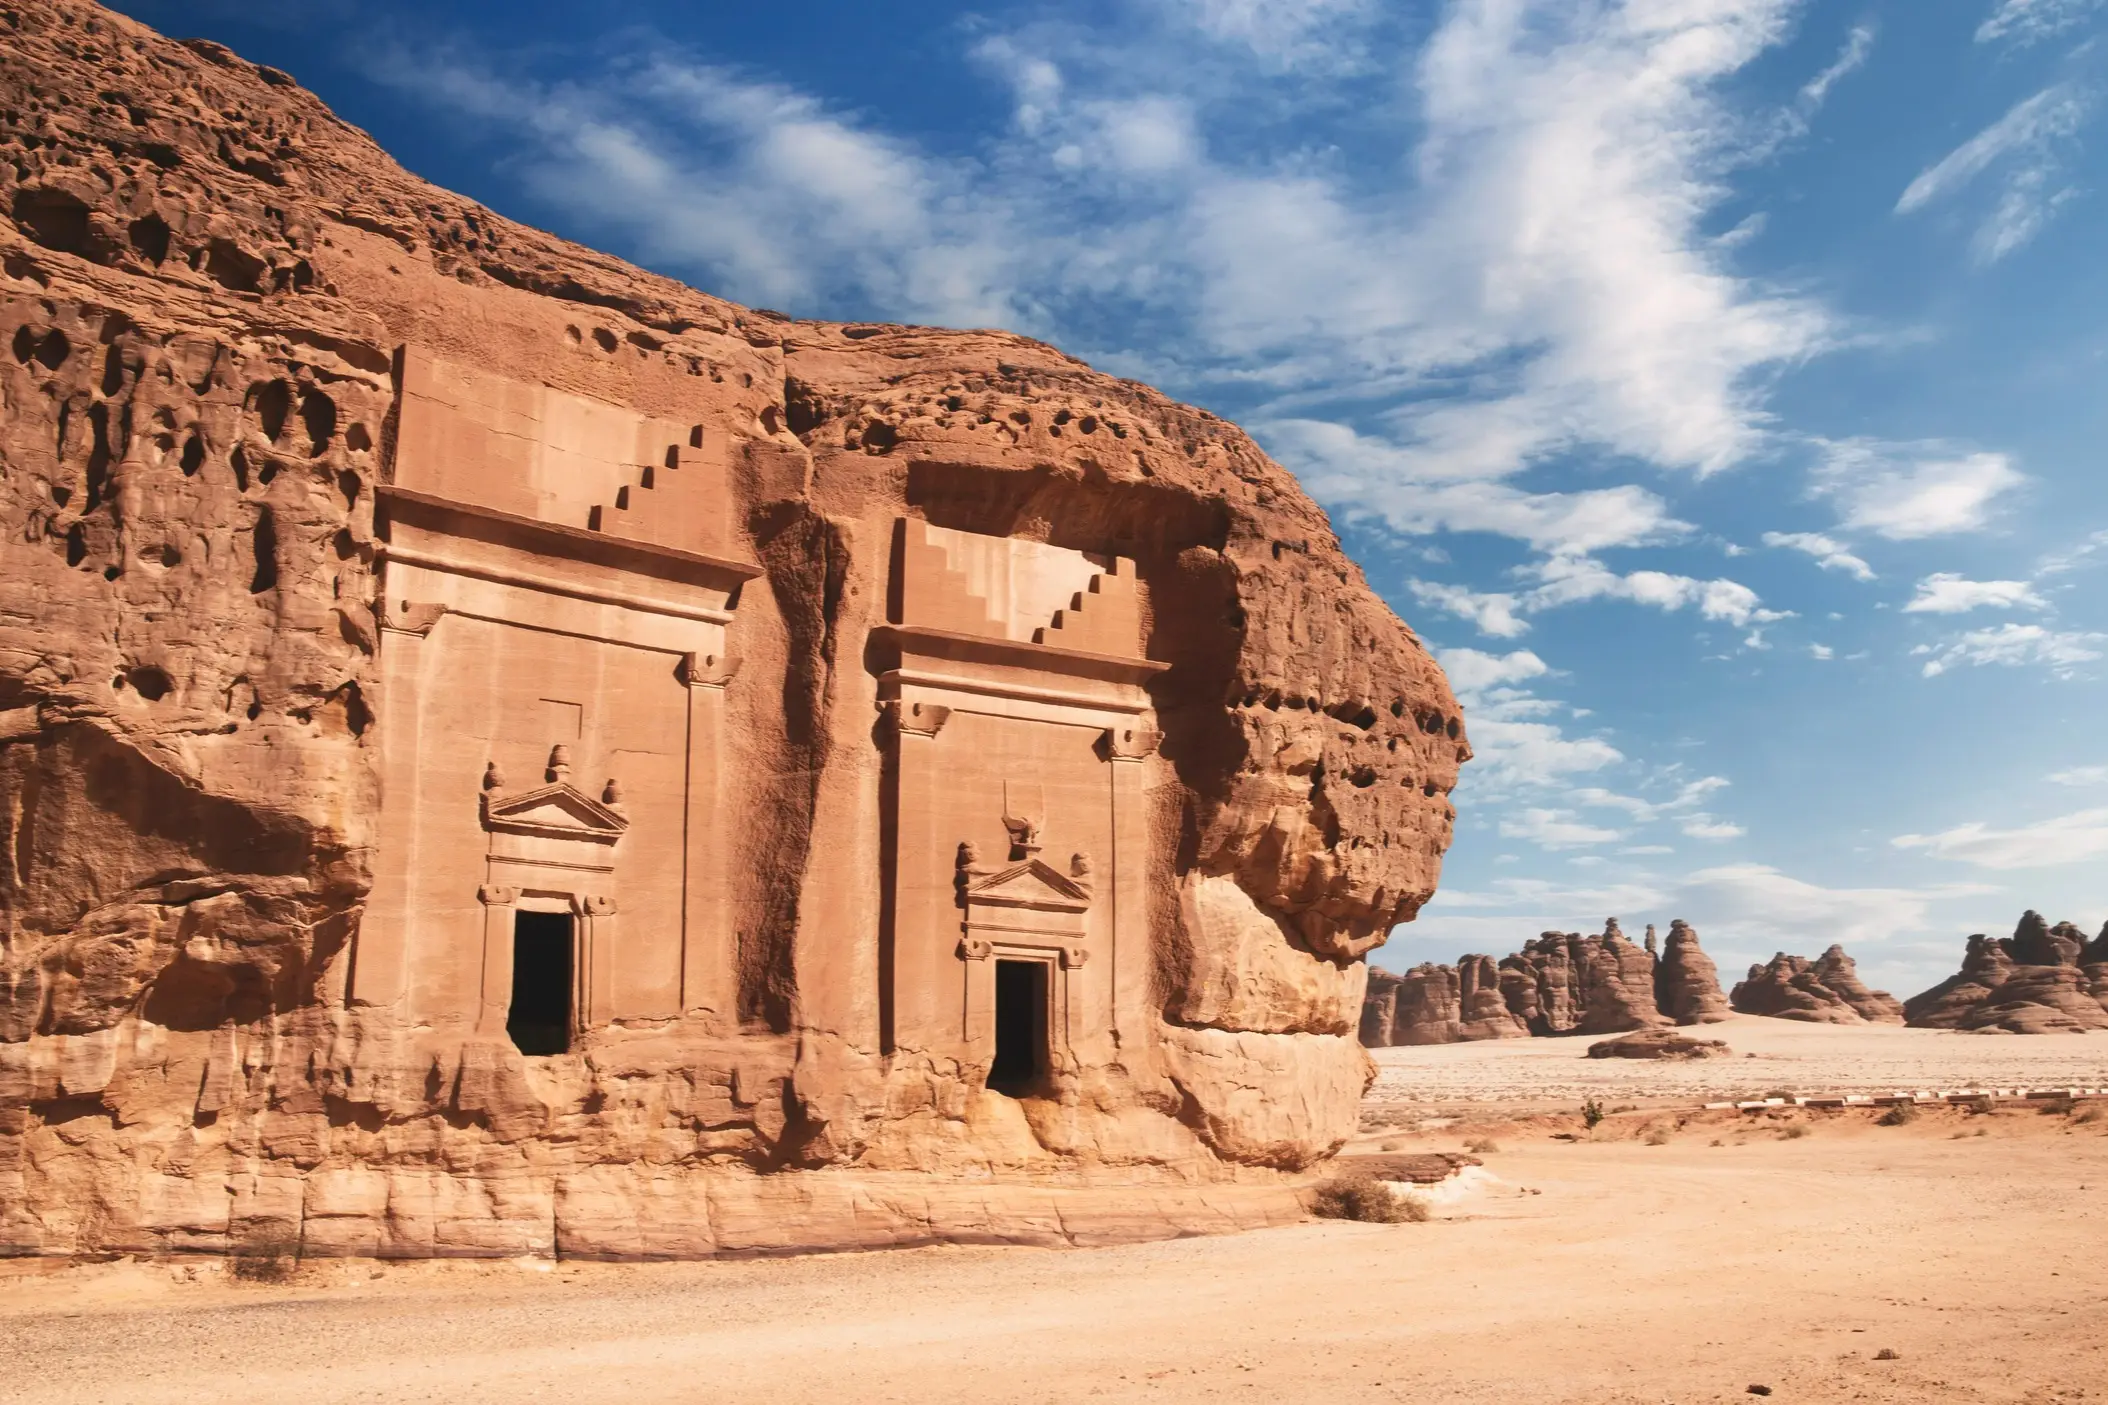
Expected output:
{"points": [[229, 320], [2040, 980], [1438, 1004], [1826, 990]]}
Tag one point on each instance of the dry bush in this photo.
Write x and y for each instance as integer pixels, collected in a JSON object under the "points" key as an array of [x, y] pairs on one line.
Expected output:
{"points": [[1659, 1136], [1981, 1107], [1390, 1146], [2056, 1107], [1363, 1198], [1898, 1115], [1795, 1131], [1591, 1113], [1480, 1146], [2091, 1113]]}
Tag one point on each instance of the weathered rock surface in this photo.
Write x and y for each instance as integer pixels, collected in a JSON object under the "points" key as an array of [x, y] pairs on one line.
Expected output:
{"points": [[229, 326], [2040, 980], [1658, 1044], [1687, 983], [1826, 990]]}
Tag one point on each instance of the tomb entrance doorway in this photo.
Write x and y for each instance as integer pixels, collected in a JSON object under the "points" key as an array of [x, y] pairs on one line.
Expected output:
{"points": [[540, 1017], [1023, 996]]}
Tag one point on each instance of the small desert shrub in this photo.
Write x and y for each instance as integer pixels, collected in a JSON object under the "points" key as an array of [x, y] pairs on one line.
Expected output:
{"points": [[1981, 1107], [2091, 1113], [2056, 1107], [1659, 1136], [1898, 1115], [1481, 1146], [266, 1262], [1390, 1146], [1591, 1114], [1795, 1131], [1365, 1199], [1625, 1107]]}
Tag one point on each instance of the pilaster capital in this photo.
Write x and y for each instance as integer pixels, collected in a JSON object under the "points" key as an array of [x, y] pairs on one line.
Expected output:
{"points": [[914, 719], [708, 670], [497, 895], [1129, 743], [408, 616]]}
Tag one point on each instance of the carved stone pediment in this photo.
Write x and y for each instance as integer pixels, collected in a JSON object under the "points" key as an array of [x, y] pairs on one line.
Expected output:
{"points": [[1029, 884], [559, 811]]}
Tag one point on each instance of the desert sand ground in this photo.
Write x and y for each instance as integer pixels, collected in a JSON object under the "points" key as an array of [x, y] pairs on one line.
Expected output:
{"points": [[1768, 1055], [1670, 1256]]}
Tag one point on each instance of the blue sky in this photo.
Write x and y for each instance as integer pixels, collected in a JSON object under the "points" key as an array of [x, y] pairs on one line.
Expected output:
{"points": [[1716, 385]]}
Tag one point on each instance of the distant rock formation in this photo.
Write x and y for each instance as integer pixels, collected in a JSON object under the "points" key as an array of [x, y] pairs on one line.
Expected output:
{"points": [[1826, 990], [1686, 982], [1565, 983], [2040, 980], [1435, 1004], [1560, 983]]}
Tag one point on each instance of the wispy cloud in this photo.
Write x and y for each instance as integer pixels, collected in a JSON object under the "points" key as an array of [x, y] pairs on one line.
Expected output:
{"points": [[2046, 843], [2030, 21], [1909, 491], [2079, 775], [1944, 593], [2024, 144], [2014, 646], [1829, 553], [1555, 829]]}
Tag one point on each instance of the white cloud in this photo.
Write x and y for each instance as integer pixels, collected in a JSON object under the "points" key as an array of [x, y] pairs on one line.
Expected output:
{"points": [[2066, 839], [1821, 652], [2027, 21], [1473, 673], [1829, 553], [1554, 829], [1570, 580], [1944, 593], [1706, 827], [2028, 134], [1493, 614], [2014, 646], [1858, 44], [1905, 491], [2080, 775], [1534, 753]]}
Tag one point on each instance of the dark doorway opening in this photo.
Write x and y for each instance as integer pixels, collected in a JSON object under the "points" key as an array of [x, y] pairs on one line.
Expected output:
{"points": [[1020, 1027], [540, 1019]]}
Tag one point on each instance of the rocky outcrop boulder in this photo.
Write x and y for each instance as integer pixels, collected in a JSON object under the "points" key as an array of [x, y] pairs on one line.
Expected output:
{"points": [[2040, 980], [1826, 990], [1687, 983], [1658, 1044]]}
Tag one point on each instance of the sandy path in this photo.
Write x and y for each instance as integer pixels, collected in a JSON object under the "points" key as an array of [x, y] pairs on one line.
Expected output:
{"points": [[1640, 1274], [1805, 1058]]}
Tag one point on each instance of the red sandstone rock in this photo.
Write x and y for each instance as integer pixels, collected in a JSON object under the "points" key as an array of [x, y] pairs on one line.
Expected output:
{"points": [[869, 755], [2033, 982], [1686, 983], [1824, 991]]}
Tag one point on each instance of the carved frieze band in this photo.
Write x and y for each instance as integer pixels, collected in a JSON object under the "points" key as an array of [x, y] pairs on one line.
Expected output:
{"points": [[916, 719], [708, 670], [1129, 743]]}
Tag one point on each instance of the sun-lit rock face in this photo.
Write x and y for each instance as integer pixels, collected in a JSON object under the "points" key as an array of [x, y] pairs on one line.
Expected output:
{"points": [[1827, 990], [2040, 980], [498, 747]]}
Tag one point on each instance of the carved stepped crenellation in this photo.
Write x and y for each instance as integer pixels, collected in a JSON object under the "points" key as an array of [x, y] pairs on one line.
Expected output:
{"points": [[679, 504]]}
